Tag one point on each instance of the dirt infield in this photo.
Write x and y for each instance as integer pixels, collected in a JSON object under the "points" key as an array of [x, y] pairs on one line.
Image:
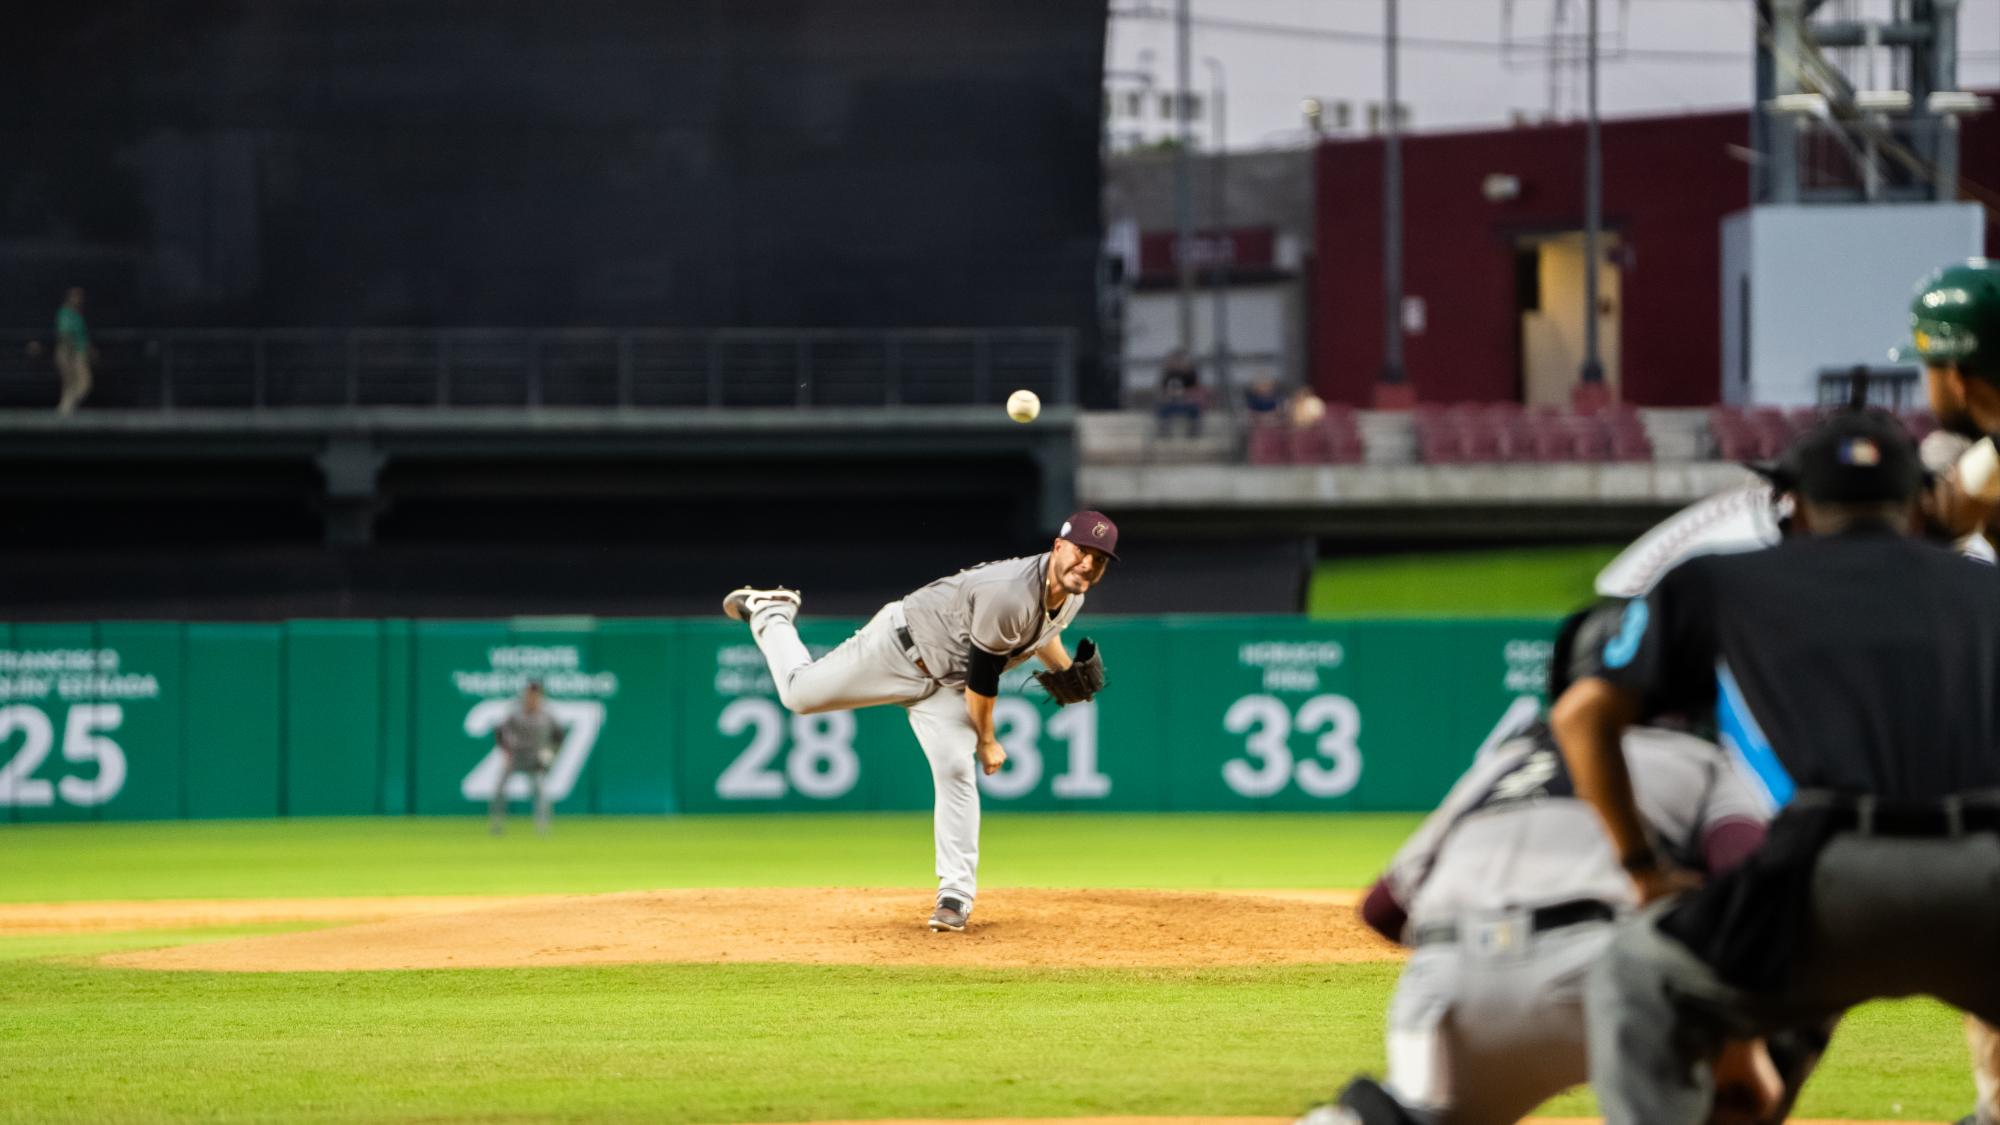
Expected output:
{"points": [[112, 915], [1017, 928], [1012, 928]]}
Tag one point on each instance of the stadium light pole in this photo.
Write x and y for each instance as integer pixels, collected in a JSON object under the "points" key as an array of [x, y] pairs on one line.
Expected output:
{"points": [[1392, 213], [1593, 211], [1224, 259], [1183, 188]]}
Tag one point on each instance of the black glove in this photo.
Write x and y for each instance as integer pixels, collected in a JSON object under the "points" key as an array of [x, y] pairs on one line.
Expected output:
{"points": [[1082, 679]]}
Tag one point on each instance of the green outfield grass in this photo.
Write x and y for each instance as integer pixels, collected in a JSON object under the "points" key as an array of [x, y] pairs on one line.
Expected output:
{"points": [[1515, 582], [454, 855], [729, 1043]]}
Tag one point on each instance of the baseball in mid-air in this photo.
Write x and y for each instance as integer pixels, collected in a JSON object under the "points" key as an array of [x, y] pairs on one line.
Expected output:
{"points": [[1023, 406]]}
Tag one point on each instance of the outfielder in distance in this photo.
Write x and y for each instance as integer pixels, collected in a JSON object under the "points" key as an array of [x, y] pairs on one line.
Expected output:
{"points": [[938, 653], [527, 740]]}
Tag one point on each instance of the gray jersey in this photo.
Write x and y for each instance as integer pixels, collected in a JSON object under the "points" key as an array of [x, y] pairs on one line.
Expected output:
{"points": [[1512, 833], [526, 738], [996, 606]]}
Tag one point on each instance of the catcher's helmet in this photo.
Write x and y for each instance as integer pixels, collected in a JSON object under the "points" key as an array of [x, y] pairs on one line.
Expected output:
{"points": [[1955, 318]]}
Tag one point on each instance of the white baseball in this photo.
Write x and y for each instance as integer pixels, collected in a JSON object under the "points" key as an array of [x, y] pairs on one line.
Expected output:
{"points": [[1024, 406]]}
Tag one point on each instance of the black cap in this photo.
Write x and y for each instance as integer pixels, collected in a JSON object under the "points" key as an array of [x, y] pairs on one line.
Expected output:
{"points": [[1852, 457]]}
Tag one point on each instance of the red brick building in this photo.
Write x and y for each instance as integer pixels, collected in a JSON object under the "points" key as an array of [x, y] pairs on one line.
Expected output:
{"points": [[1668, 182]]}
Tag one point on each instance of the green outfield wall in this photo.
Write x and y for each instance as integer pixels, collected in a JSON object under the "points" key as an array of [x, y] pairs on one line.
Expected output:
{"points": [[160, 720]]}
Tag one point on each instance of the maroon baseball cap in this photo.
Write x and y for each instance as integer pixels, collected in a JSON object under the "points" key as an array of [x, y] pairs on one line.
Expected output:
{"points": [[1091, 529]]}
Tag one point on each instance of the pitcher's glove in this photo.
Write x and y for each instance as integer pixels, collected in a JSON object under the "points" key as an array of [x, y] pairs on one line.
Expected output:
{"points": [[1082, 679]]}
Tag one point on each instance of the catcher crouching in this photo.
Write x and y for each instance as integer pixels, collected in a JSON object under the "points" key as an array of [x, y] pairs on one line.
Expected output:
{"points": [[938, 653]]}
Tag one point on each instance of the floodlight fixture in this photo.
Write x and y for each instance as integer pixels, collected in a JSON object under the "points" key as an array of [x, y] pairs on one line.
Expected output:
{"points": [[1882, 101], [1956, 103], [1798, 105]]}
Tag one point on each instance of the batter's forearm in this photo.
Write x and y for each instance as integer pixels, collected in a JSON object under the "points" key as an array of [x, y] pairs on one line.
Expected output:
{"points": [[1589, 723]]}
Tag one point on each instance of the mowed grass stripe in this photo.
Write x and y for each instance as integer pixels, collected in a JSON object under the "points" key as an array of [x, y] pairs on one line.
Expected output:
{"points": [[749, 1043], [455, 856]]}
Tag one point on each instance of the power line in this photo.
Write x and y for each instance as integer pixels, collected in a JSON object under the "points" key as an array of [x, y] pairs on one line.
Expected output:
{"points": [[1422, 43]]}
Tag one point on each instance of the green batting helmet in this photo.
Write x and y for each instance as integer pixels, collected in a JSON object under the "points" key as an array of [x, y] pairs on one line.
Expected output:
{"points": [[1955, 318]]}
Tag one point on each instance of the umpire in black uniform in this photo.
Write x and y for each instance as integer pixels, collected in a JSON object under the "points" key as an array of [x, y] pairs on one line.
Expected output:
{"points": [[1857, 670]]}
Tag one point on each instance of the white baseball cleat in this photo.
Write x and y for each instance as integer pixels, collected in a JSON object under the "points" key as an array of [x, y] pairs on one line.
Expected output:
{"points": [[746, 602]]}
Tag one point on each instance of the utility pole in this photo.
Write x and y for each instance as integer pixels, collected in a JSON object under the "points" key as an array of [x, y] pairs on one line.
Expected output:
{"points": [[1593, 212], [1183, 189], [1224, 259], [1392, 213]]}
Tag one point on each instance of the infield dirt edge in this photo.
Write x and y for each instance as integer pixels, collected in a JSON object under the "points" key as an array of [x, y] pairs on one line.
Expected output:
{"points": [[1012, 928]]}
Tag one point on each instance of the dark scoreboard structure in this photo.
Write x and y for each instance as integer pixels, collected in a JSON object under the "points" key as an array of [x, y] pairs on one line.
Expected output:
{"points": [[512, 306], [788, 163]]}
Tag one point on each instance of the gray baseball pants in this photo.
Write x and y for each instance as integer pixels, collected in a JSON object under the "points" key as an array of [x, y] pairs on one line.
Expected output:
{"points": [[1889, 916], [870, 669], [1486, 1028], [496, 809]]}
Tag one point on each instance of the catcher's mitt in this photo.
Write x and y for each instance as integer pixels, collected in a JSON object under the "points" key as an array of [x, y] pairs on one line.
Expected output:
{"points": [[1082, 679]]}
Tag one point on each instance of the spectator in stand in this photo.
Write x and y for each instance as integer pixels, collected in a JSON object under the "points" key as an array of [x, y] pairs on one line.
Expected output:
{"points": [[74, 353], [1261, 400], [1305, 408], [1180, 392]]}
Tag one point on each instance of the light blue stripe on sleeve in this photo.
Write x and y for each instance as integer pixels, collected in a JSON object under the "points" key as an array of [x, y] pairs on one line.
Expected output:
{"points": [[1619, 650], [1742, 737]]}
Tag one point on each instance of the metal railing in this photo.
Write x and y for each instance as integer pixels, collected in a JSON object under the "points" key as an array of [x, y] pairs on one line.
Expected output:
{"points": [[276, 368]]}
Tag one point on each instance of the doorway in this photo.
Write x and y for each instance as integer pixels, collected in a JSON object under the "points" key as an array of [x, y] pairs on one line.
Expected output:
{"points": [[1549, 299]]}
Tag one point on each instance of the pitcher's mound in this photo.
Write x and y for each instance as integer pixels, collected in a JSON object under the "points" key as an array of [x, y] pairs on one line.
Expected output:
{"points": [[1011, 928]]}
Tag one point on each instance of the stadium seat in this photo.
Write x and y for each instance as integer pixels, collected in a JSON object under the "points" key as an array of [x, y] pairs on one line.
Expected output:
{"points": [[1268, 444], [1438, 443], [1772, 430], [1628, 436], [1735, 440], [1482, 441], [1631, 445], [1551, 440], [1591, 438], [1326, 443]]}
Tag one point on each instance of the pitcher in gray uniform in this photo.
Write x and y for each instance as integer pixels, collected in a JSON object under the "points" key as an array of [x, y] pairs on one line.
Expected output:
{"points": [[938, 653], [528, 738], [1507, 894]]}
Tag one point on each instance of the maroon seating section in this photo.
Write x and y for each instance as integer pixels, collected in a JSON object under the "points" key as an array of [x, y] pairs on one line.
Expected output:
{"points": [[1333, 440], [1485, 433], [1506, 431], [1761, 433]]}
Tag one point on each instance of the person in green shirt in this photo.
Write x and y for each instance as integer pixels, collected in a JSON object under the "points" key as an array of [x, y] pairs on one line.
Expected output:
{"points": [[74, 354]]}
